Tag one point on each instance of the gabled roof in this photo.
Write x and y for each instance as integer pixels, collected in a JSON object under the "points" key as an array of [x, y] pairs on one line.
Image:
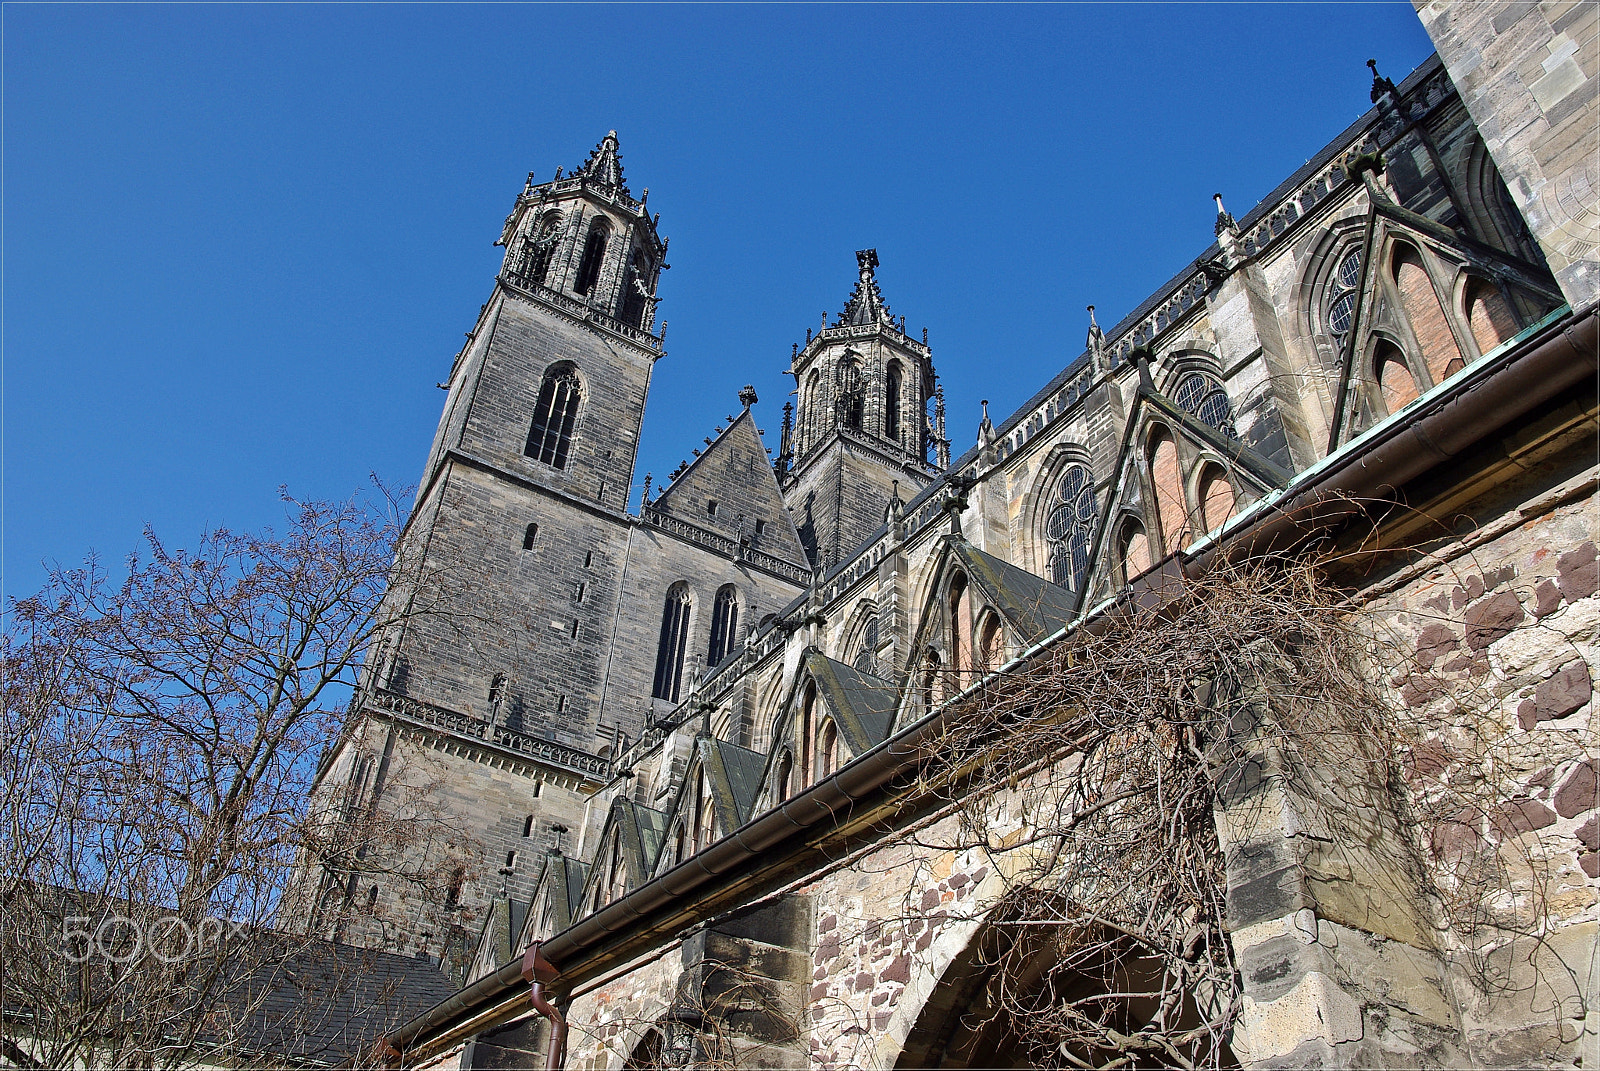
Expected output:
{"points": [[862, 705], [1031, 604], [734, 776], [735, 472], [562, 881]]}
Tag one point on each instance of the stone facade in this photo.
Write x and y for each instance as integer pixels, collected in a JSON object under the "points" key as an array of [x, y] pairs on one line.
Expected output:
{"points": [[1390, 356]]}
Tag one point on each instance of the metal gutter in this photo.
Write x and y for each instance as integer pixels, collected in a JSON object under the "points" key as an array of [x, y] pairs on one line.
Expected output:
{"points": [[1528, 371]]}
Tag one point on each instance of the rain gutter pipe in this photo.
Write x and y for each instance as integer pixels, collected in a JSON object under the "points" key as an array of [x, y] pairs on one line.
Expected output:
{"points": [[1538, 365]]}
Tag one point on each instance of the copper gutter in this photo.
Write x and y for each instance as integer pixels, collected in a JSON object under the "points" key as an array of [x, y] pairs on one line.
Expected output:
{"points": [[1479, 401]]}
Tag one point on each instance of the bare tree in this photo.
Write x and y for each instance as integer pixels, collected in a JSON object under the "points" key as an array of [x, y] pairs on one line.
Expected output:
{"points": [[161, 734]]}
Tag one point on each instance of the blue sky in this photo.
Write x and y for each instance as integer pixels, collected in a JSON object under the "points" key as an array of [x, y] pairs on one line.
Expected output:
{"points": [[242, 243]]}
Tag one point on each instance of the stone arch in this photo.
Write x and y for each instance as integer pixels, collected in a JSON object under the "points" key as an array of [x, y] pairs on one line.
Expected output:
{"points": [[1425, 312], [1042, 499], [1134, 553], [1213, 493], [1311, 295]]}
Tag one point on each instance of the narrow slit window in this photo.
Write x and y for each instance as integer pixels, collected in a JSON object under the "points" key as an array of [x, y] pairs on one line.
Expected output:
{"points": [[529, 534], [511, 859], [527, 823]]}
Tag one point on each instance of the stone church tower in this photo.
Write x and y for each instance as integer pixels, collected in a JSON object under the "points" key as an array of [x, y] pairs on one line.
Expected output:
{"points": [[862, 426]]}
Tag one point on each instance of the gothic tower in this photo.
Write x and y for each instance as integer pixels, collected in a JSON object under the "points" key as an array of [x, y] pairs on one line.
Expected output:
{"points": [[518, 543], [861, 426]]}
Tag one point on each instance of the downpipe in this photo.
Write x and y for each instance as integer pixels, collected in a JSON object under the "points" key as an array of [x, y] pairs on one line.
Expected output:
{"points": [[539, 972]]}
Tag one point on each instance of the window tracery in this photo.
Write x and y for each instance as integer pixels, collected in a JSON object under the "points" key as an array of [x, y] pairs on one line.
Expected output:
{"points": [[866, 657], [1069, 527], [1340, 305], [594, 251], [554, 414], [1205, 399], [724, 624], [674, 641]]}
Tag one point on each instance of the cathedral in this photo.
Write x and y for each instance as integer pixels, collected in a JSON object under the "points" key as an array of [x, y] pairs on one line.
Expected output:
{"points": [[679, 733]]}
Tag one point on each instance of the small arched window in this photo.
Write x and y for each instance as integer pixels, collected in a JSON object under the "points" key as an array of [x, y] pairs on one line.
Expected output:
{"points": [[891, 402], [1204, 399], [1396, 384], [1167, 482], [724, 624], [554, 414], [783, 783], [960, 626], [594, 251], [529, 534], [850, 399], [827, 749], [1214, 494], [1133, 549], [991, 642], [1069, 526], [674, 641], [1423, 309]]}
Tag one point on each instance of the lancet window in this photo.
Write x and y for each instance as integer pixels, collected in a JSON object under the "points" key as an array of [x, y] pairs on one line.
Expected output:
{"points": [[674, 641], [554, 414], [594, 252], [537, 249], [891, 401], [724, 624]]}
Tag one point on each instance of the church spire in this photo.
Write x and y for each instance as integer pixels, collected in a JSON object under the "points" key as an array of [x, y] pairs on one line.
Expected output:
{"points": [[866, 304], [604, 166]]}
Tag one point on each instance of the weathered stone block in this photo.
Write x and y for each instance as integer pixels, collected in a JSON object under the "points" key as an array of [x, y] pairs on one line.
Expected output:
{"points": [[1492, 619]]}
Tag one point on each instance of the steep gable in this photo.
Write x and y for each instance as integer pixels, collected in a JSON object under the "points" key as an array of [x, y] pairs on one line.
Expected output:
{"points": [[734, 473]]}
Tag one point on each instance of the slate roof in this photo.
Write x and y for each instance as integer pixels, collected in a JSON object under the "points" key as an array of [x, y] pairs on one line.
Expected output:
{"points": [[734, 774], [1031, 604], [862, 705]]}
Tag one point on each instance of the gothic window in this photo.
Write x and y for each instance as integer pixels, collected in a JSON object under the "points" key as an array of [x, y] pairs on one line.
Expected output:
{"points": [[891, 402], [1204, 399], [537, 250], [1339, 313], [724, 624], [674, 640], [529, 534], [594, 251], [554, 414], [635, 288], [810, 404], [850, 400], [1069, 527], [866, 659]]}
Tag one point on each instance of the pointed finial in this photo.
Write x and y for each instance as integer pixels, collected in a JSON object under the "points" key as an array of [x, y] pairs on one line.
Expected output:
{"points": [[644, 198], [924, 336], [794, 352], [527, 187], [808, 333], [1092, 325], [824, 319], [647, 480], [1224, 217], [747, 396], [1381, 86]]}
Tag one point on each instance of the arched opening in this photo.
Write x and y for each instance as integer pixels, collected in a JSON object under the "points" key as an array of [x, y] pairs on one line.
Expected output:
{"points": [[537, 249], [807, 742], [724, 624], [673, 642], [866, 645], [594, 251], [850, 393], [1215, 495], [554, 414], [811, 410], [827, 749], [783, 783], [635, 289], [960, 606], [1041, 997], [1393, 375], [1133, 550], [1439, 351], [1489, 314], [1167, 482], [891, 402], [933, 688], [991, 642]]}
